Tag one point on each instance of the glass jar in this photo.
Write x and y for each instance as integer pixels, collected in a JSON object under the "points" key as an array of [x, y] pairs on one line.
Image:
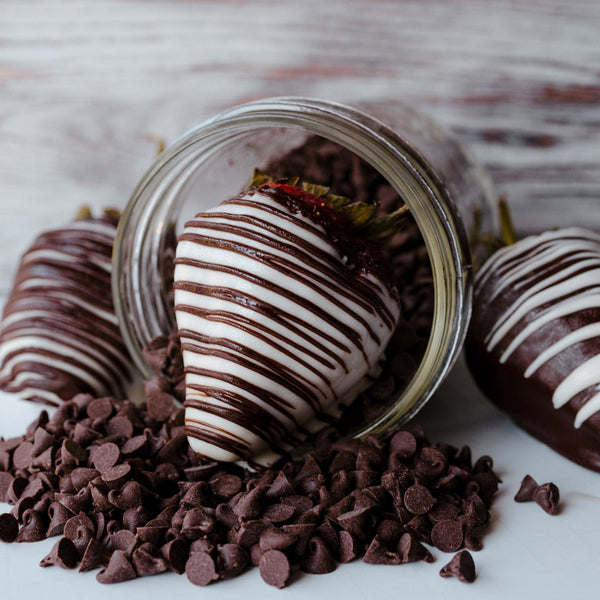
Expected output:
{"points": [[444, 188]]}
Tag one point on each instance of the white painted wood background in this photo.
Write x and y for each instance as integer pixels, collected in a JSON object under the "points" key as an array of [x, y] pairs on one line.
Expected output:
{"points": [[85, 86]]}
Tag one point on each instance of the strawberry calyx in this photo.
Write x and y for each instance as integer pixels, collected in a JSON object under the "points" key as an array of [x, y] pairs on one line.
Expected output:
{"points": [[360, 218]]}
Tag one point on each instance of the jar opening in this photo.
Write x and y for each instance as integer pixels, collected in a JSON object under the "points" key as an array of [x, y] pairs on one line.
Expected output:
{"points": [[214, 162]]}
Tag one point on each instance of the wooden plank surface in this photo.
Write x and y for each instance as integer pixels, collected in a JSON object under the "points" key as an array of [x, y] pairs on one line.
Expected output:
{"points": [[85, 85]]}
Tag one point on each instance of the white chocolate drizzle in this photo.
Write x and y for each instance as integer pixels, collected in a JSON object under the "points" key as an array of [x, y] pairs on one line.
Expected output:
{"points": [[558, 275]]}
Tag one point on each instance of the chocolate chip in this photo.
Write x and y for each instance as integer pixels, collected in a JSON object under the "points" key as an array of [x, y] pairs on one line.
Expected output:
{"points": [[15, 489], [418, 499], [153, 534], [200, 568], [23, 455], [389, 532], [226, 485], [95, 555], [430, 464], [301, 504], [75, 502], [198, 494], [420, 526], [443, 510], [472, 539], [123, 540], [281, 486], [5, 461], [106, 456], [9, 528], [119, 428], [461, 566], [42, 440], [34, 527], [160, 406], [249, 532], [475, 511], [348, 547], [115, 477], [357, 522], [547, 496], [302, 532], [525, 493], [64, 554], [378, 554], [202, 545], [411, 550], [276, 539], [119, 569], [59, 514], [275, 568], [135, 446], [34, 489], [249, 505], [232, 560], [72, 454], [136, 517], [318, 559], [100, 409], [129, 496], [447, 535], [198, 522], [82, 476], [21, 506], [279, 513], [176, 554], [147, 560]]}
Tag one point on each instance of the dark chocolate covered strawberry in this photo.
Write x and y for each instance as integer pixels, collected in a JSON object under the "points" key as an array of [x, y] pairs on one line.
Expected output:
{"points": [[534, 340], [284, 302]]}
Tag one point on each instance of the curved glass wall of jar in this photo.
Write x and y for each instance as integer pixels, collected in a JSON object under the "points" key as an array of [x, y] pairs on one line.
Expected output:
{"points": [[441, 184]]}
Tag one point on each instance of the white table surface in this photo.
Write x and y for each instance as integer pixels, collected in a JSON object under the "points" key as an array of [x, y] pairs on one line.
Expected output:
{"points": [[86, 87]]}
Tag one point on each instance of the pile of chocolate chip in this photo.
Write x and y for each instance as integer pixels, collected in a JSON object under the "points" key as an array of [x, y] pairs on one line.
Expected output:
{"points": [[119, 484]]}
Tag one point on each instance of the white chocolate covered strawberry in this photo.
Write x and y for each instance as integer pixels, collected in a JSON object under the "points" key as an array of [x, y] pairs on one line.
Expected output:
{"points": [[282, 309]]}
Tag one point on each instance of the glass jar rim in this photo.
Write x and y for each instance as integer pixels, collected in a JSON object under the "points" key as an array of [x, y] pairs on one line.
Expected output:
{"points": [[405, 169]]}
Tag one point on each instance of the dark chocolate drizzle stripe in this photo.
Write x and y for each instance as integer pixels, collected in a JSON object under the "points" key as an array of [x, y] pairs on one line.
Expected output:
{"points": [[252, 328], [329, 286], [258, 357], [282, 377], [95, 364], [252, 301], [325, 269], [238, 410], [291, 268], [62, 296]]}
